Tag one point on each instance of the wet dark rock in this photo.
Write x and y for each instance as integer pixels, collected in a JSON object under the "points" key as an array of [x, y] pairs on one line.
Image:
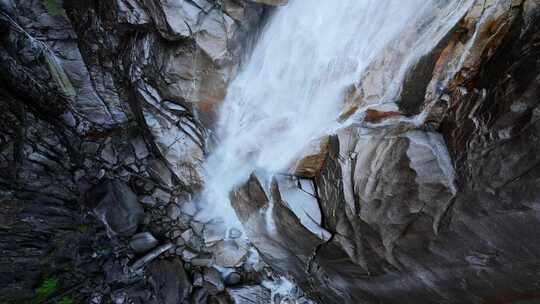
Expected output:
{"points": [[139, 264], [142, 242], [198, 279], [169, 281], [173, 211], [174, 234], [137, 294], [249, 295], [202, 261], [277, 241], [213, 281], [139, 147], [161, 195], [88, 93], [188, 255], [104, 99], [116, 271], [148, 201], [109, 155], [187, 235], [116, 206], [199, 296], [233, 278], [159, 171]]}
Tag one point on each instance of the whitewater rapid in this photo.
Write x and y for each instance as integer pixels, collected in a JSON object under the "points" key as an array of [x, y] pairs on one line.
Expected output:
{"points": [[291, 91]]}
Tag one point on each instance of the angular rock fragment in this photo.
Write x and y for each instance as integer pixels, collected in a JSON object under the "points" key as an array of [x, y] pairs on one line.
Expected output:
{"points": [[233, 278], [116, 206], [152, 255], [254, 294], [213, 281], [229, 254], [214, 232], [159, 171], [173, 211], [169, 280], [139, 147], [142, 242], [109, 155]]}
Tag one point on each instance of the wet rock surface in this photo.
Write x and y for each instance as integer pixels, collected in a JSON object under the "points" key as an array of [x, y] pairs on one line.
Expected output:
{"points": [[116, 206], [142, 242], [106, 117], [104, 124], [427, 213], [249, 295], [169, 281]]}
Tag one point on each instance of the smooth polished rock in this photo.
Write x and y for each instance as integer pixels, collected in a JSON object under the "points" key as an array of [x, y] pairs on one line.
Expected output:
{"points": [[247, 294], [169, 280], [142, 242], [116, 206]]}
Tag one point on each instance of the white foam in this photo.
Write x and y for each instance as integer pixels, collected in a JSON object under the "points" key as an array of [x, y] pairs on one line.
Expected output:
{"points": [[291, 91], [282, 287]]}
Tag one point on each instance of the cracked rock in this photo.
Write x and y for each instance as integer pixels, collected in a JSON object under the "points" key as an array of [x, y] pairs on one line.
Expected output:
{"points": [[116, 206], [161, 195], [213, 281], [173, 212], [233, 278], [249, 294], [109, 155], [229, 254], [169, 280], [159, 171]]}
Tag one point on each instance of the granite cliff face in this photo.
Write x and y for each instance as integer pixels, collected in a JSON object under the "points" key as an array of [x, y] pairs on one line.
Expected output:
{"points": [[106, 108], [109, 112], [435, 209]]}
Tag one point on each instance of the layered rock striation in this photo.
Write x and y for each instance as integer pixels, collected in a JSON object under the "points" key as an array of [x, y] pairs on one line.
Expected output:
{"points": [[432, 197], [108, 111]]}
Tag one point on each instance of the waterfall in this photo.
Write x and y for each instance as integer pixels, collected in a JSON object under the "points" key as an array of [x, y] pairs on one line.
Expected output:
{"points": [[293, 87]]}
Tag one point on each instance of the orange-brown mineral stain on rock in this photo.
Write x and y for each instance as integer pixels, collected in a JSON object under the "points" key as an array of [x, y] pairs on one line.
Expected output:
{"points": [[205, 106], [347, 112], [211, 99], [375, 116], [309, 166]]}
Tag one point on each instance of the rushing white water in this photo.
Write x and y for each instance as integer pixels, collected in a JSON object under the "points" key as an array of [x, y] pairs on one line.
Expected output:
{"points": [[292, 89]]}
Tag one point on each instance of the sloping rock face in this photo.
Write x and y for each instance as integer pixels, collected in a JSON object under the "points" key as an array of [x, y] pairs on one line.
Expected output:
{"points": [[105, 114], [117, 206], [433, 199]]}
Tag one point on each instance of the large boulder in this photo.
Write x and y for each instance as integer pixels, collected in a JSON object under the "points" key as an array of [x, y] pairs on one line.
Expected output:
{"points": [[169, 281], [117, 206]]}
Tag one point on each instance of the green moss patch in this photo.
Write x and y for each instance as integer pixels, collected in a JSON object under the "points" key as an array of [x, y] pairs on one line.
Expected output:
{"points": [[46, 289], [53, 7], [66, 300]]}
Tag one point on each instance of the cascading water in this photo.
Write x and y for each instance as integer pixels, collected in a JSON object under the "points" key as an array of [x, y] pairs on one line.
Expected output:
{"points": [[292, 89]]}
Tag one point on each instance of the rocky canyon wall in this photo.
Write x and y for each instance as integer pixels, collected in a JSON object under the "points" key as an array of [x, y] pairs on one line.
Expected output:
{"points": [[108, 114]]}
